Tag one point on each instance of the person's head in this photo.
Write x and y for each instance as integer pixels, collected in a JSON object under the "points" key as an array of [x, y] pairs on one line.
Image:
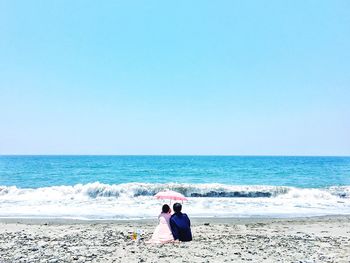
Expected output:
{"points": [[177, 207], [165, 209]]}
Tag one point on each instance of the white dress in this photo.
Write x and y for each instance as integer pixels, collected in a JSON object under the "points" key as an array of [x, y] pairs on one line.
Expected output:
{"points": [[162, 233]]}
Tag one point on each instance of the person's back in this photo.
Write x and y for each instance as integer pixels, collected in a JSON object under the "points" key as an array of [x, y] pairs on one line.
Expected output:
{"points": [[180, 224], [162, 233]]}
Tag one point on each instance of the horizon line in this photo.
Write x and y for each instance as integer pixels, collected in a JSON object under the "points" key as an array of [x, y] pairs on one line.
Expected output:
{"points": [[184, 155]]}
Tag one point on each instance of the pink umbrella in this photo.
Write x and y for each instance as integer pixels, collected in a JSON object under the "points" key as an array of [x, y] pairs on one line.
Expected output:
{"points": [[172, 195]]}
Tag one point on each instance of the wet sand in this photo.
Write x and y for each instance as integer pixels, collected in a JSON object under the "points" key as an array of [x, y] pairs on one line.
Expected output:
{"points": [[319, 239]]}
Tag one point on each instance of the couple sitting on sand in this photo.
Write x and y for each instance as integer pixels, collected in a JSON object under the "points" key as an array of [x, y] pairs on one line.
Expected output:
{"points": [[172, 228]]}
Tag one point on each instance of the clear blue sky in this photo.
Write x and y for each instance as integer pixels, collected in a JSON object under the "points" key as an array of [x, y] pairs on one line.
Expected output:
{"points": [[175, 77]]}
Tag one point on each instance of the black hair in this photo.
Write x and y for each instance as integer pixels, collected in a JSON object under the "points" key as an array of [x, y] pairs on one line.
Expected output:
{"points": [[177, 207], [165, 208]]}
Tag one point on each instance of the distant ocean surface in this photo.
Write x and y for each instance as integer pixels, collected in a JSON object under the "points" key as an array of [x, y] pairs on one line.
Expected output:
{"points": [[122, 187]]}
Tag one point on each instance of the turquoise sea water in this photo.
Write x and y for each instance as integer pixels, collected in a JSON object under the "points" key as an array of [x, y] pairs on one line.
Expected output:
{"points": [[95, 186], [305, 172]]}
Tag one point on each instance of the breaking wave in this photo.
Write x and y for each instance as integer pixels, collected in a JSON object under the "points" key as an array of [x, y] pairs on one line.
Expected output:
{"points": [[98, 190], [135, 200]]}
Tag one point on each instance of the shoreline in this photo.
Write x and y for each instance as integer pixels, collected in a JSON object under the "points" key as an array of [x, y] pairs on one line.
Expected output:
{"points": [[195, 220]]}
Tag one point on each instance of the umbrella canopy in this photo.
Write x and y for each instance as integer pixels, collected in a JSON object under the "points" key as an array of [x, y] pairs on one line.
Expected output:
{"points": [[172, 195]]}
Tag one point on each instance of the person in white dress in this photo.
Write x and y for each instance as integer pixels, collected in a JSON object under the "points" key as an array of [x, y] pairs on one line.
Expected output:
{"points": [[162, 233]]}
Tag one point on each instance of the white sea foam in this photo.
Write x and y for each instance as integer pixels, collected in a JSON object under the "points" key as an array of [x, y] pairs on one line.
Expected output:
{"points": [[135, 200]]}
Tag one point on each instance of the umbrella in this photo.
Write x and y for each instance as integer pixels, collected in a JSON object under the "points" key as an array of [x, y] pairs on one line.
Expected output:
{"points": [[172, 195]]}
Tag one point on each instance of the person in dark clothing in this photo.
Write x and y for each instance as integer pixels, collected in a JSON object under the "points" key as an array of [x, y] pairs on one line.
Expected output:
{"points": [[180, 224]]}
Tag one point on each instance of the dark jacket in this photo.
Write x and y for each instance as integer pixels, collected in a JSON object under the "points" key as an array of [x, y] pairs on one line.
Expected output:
{"points": [[181, 227]]}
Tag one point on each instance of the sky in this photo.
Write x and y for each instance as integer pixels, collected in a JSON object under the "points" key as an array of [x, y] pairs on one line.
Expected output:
{"points": [[175, 77]]}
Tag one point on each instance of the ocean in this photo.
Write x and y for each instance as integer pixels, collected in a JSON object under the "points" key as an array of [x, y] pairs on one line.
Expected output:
{"points": [[122, 187]]}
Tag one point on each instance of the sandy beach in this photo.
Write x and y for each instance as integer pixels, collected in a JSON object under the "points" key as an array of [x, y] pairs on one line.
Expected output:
{"points": [[320, 239]]}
